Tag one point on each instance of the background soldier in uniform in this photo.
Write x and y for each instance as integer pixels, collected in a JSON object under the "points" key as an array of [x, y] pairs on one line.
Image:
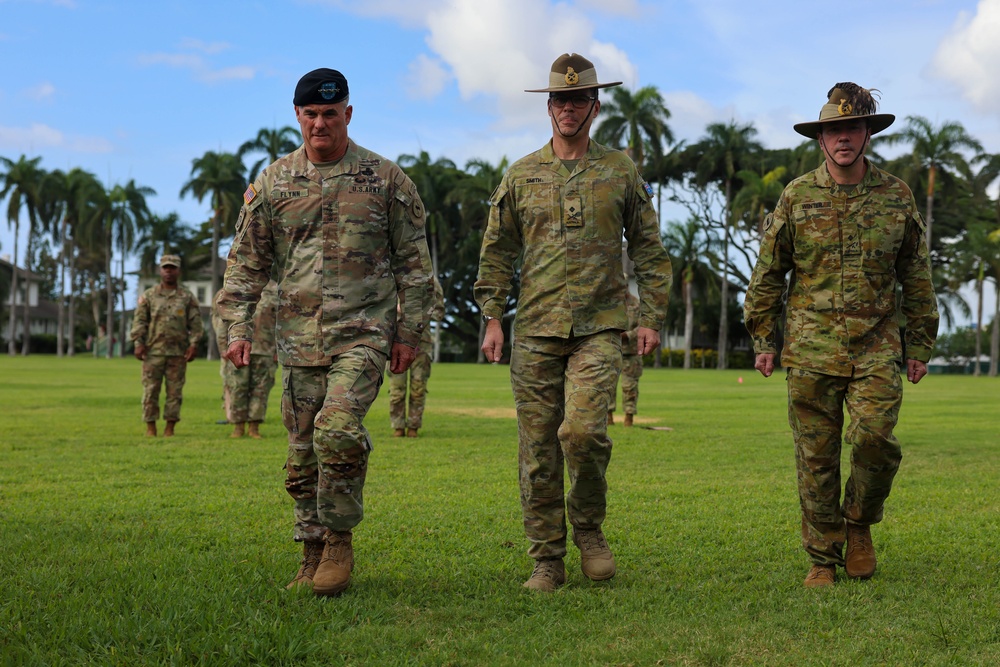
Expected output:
{"points": [[221, 331], [566, 207], [412, 418], [166, 328], [341, 231], [631, 364], [246, 389], [850, 234]]}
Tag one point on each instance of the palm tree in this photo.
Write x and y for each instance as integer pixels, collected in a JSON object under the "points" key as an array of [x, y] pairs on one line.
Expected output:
{"points": [[758, 196], [164, 234], [221, 177], [936, 151], [636, 122], [726, 149], [691, 252], [273, 143], [129, 217], [21, 183]]}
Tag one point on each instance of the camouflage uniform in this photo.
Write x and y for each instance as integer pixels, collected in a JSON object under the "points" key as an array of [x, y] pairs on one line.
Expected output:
{"points": [[167, 323], [221, 331], [343, 244], [848, 251], [566, 352], [248, 388], [419, 372], [631, 359]]}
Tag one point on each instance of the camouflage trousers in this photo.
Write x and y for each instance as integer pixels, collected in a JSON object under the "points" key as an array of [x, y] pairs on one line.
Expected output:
{"points": [[816, 405], [631, 372], [247, 389], [224, 367], [323, 408], [563, 388], [419, 372], [171, 371]]}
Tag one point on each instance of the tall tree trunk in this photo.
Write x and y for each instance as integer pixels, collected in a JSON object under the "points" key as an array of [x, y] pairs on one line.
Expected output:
{"points": [[12, 319], [109, 318], [688, 322], [979, 320], [121, 318], [71, 315], [95, 311], [26, 324], [724, 291], [436, 356], [61, 306]]}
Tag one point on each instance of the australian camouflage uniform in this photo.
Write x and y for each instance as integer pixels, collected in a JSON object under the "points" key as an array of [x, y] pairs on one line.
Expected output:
{"points": [[566, 349], [248, 387], [849, 249], [167, 322], [411, 415], [631, 359], [342, 241]]}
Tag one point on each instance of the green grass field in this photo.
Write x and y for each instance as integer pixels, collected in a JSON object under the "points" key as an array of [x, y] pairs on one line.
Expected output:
{"points": [[123, 550]]}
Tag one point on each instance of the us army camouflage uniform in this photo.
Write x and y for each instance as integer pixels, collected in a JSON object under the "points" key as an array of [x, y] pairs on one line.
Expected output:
{"points": [[848, 252], [221, 331], [419, 372], [631, 359], [167, 323], [342, 244], [248, 387], [566, 352]]}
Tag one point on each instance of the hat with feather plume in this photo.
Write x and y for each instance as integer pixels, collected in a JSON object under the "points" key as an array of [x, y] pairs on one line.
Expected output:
{"points": [[848, 101]]}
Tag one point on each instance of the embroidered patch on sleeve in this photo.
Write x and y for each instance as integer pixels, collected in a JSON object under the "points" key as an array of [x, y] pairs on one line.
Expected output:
{"points": [[249, 194]]}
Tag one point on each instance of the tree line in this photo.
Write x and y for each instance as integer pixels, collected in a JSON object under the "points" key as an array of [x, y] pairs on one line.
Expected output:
{"points": [[80, 231]]}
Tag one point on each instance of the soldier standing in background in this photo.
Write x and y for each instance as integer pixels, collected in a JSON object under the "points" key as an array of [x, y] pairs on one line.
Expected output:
{"points": [[566, 208], [631, 364], [246, 389], [851, 235], [412, 418], [166, 328], [341, 231]]}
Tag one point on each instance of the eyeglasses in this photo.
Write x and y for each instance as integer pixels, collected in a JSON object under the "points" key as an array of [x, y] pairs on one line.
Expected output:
{"points": [[578, 102]]}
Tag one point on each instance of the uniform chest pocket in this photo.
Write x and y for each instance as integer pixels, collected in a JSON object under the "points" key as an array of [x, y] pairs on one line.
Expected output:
{"points": [[817, 247], [540, 213], [881, 237], [604, 207]]}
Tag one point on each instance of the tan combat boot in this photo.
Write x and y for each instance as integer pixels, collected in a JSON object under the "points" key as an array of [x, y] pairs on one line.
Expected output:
{"points": [[398, 433], [611, 418], [411, 433], [255, 430], [168, 430], [237, 430], [548, 575], [150, 429], [628, 421], [333, 574], [312, 552], [820, 576], [596, 559], [860, 560]]}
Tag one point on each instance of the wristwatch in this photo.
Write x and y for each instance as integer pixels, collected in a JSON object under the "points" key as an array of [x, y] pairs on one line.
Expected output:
{"points": [[487, 318]]}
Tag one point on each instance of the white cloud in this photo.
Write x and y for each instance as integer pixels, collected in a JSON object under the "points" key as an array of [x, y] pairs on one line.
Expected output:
{"points": [[426, 78], [37, 137], [40, 92], [210, 48], [969, 56], [198, 65]]}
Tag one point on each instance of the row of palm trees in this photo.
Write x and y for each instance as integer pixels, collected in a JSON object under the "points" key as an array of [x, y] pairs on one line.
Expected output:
{"points": [[726, 181]]}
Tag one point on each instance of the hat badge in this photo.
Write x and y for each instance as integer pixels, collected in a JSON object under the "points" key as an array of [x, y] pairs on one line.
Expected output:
{"points": [[845, 108], [572, 78], [329, 90]]}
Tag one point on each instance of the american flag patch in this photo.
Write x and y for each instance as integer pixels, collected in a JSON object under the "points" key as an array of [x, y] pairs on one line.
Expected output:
{"points": [[249, 194], [648, 188]]}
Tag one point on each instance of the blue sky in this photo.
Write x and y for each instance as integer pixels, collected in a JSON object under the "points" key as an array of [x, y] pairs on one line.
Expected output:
{"points": [[130, 89]]}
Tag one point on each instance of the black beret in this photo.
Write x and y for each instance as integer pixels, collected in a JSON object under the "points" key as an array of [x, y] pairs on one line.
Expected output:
{"points": [[320, 86]]}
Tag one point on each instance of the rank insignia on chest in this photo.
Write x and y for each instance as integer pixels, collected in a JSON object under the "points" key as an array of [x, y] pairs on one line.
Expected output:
{"points": [[249, 194]]}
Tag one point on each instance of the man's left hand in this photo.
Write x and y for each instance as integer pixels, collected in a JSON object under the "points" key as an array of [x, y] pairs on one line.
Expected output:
{"points": [[648, 340], [402, 356], [191, 352], [915, 370]]}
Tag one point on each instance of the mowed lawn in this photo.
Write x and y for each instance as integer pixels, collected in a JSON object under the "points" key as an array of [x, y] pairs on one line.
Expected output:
{"points": [[122, 550]]}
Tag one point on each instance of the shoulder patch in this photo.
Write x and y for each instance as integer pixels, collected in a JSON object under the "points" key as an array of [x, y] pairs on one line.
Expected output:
{"points": [[249, 194], [648, 188]]}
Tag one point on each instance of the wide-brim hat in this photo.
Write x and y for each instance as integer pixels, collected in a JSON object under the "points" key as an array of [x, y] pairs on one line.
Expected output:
{"points": [[571, 71], [847, 101]]}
